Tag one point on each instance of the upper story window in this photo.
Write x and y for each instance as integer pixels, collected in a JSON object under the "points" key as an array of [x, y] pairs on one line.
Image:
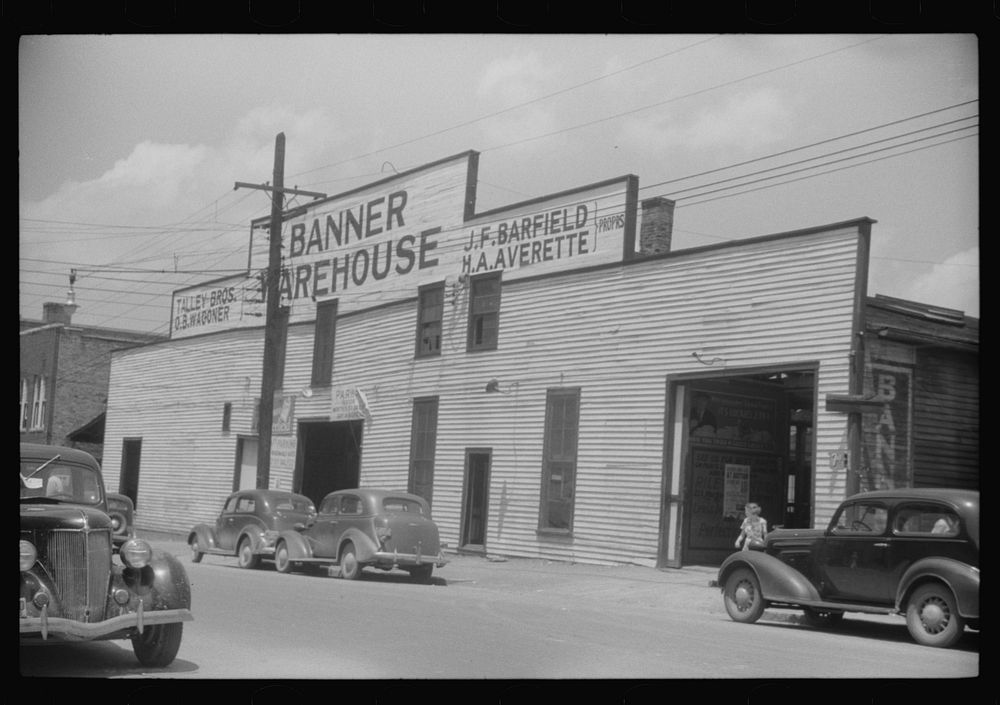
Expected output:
{"points": [[38, 404], [430, 313], [24, 405], [326, 328], [484, 312]]}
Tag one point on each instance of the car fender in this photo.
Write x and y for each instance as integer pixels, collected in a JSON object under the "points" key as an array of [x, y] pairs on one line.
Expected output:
{"points": [[255, 534], [779, 582], [205, 533], [162, 584], [298, 547], [961, 578], [364, 547]]}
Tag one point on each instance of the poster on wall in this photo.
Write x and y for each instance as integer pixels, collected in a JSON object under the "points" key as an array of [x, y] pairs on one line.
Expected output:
{"points": [[737, 490], [733, 421], [721, 485], [284, 415]]}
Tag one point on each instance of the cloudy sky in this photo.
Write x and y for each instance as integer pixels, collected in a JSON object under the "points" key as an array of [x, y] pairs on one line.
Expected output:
{"points": [[130, 145]]}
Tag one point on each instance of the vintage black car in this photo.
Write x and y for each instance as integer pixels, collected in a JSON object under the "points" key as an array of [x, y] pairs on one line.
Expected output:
{"points": [[73, 586], [913, 552], [248, 525], [121, 509], [365, 527]]}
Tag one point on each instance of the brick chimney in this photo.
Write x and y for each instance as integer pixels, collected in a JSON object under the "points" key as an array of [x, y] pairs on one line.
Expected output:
{"points": [[657, 226], [59, 313]]}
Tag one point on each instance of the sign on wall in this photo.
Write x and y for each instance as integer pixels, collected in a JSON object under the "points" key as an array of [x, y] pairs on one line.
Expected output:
{"points": [[733, 421], [887, 432], [380, 243], [220, 305]]}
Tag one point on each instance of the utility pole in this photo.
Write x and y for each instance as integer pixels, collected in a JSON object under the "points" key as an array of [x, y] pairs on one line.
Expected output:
{"points": [[273, 320]]}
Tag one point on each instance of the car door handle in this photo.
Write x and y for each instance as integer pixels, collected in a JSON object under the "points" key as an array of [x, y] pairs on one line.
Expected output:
{"points": [[880, 545]]}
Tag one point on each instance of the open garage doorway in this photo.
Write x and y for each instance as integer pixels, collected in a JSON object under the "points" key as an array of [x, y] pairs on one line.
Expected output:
{"points": [[737, 438], [329, 457]]}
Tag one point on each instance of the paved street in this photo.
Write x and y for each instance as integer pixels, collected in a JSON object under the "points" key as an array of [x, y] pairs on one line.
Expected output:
{"points": [[499, 620]]}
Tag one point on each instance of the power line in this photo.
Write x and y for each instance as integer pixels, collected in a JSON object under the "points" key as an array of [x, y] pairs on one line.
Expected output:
{"points": [[725, 84], [512, 107]]}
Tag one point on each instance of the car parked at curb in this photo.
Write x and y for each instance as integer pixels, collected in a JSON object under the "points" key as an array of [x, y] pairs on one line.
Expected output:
{"points": [[249, 524], [121, 509], [912, 552], [74, 586], [365, 527]]}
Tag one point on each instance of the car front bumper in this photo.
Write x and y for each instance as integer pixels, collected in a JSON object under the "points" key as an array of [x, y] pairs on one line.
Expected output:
{"points": [[71, 630]]}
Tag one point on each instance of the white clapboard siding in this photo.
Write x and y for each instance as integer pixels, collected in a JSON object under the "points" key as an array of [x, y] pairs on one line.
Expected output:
{"points": [[171, 395], [615, 332]]}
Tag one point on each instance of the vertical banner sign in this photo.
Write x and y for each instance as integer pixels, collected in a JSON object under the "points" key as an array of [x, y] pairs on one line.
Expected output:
{"points": [[887, 432]]}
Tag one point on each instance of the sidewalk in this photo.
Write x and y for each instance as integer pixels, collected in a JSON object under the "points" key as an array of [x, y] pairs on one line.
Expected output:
{"points": [[688, 588]]}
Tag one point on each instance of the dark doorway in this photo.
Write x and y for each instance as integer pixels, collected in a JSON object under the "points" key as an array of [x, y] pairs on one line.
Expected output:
{"points": [[475, 499], [746, 438], [329, 457], [128, 481]]}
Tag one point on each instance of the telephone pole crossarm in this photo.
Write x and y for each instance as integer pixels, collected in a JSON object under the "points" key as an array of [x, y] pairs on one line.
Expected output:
{"points": [[284, 191]]}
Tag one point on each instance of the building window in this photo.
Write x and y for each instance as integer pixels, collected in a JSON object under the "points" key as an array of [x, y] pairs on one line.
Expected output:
{"points": [[38, 405], [423, 438], [227, 415], [562, 426], [484, 312], [326, 328], [24, 405], [430, 312]]}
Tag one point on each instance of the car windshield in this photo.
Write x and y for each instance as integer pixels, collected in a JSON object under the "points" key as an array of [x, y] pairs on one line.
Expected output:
{"points": [[59, 482], [401, 504]]}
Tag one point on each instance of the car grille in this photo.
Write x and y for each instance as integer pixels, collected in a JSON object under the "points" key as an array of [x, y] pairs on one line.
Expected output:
{"points": [[80, 563]]}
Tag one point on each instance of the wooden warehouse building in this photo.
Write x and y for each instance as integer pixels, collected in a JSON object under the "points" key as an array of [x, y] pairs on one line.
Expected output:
{"points": [[556, 379]]}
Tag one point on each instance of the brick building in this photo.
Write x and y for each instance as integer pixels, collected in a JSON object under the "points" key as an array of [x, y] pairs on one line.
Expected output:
{"points": [[64, 377]]}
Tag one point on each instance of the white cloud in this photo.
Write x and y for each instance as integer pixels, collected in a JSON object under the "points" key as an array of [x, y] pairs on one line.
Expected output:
{"points": [[952, 284], [745, 122], [512, 81]]}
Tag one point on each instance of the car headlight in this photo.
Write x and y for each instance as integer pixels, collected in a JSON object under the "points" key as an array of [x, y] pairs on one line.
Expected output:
{"points": [[116, 522], [136, 553], [28, 555]]}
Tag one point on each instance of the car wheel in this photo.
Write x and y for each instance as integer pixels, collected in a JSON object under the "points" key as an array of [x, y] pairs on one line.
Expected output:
{"points": [[158, 644], [744, 601], [932, 616], [246, 557], [196, 552], [350, 569], [821, 618], [282, 563], [422, 573]]}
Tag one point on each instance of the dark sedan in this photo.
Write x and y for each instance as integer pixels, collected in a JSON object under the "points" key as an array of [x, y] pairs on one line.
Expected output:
{"points": [[913, 552], [365, 527], [249, 524]]}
